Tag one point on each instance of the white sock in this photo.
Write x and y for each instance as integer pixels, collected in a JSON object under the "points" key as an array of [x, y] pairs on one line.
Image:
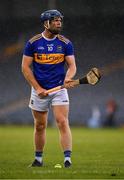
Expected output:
{"points": [[38, 159], [67, 159]]}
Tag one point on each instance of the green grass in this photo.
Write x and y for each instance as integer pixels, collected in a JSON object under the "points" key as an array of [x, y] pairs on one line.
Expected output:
{"points": [[97, 154]]}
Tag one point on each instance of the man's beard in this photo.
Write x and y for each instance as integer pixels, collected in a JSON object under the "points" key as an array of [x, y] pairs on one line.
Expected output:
{"points": [[55, 31]]}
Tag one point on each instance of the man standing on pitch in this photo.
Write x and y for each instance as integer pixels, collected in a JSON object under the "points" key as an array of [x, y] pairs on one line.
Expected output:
{"points": [[48, 52]]}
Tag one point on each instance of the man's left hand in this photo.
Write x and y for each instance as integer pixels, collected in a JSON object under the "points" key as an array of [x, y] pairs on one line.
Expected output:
{"points": [[68, 83]]}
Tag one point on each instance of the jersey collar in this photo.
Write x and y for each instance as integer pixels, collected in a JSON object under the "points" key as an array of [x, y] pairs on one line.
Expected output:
{"points": [[48, 38]]}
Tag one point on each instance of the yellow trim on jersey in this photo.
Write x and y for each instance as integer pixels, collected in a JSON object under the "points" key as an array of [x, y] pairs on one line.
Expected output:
{"points": [[48, 58], [36, 37], [62, 38]]}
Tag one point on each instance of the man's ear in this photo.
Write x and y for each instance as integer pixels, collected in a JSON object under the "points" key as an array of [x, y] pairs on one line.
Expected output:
{"points": [[46, 24]]}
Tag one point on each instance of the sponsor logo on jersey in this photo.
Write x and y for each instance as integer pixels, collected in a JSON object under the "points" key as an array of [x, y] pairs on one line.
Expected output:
{"points": [[48, 58]]}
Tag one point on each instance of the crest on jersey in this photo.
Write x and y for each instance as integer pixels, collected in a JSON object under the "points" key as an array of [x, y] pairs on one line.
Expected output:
{"points": [[59, 48]]}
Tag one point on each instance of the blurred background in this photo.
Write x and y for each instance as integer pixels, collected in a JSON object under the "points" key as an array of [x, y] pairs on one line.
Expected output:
{"points": [[96, 29]]}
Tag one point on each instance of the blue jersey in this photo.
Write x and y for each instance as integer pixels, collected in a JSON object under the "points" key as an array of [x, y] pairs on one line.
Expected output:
{"points": [[49, 59]]}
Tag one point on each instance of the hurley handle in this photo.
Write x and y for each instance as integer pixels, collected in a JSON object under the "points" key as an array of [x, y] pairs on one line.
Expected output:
{"points": [[54, 89]]}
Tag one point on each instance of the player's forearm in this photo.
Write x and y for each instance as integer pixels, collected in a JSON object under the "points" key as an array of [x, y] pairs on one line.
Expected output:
{"points": [[70, 72], [28, 74]]}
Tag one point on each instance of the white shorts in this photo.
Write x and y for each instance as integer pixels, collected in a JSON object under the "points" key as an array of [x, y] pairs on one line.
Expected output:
{"points": [[43, 104]]}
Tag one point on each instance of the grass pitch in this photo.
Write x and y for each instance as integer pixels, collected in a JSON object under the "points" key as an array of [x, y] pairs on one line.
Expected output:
{"points": [[97, 154]]}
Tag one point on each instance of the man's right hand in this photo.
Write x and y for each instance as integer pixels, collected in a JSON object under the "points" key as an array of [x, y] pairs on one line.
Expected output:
{"points": [[41, 92]]}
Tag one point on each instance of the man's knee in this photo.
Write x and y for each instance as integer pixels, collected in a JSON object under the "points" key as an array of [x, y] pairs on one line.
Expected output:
{"points": [[62, 122], [40, 127]]}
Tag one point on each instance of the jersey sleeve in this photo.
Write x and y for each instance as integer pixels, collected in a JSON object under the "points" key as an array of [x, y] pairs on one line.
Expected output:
{"points": [[28, 50], [69, 50]]}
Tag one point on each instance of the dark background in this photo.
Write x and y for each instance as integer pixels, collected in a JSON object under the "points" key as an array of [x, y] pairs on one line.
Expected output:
{"points": [[96, 29]]}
